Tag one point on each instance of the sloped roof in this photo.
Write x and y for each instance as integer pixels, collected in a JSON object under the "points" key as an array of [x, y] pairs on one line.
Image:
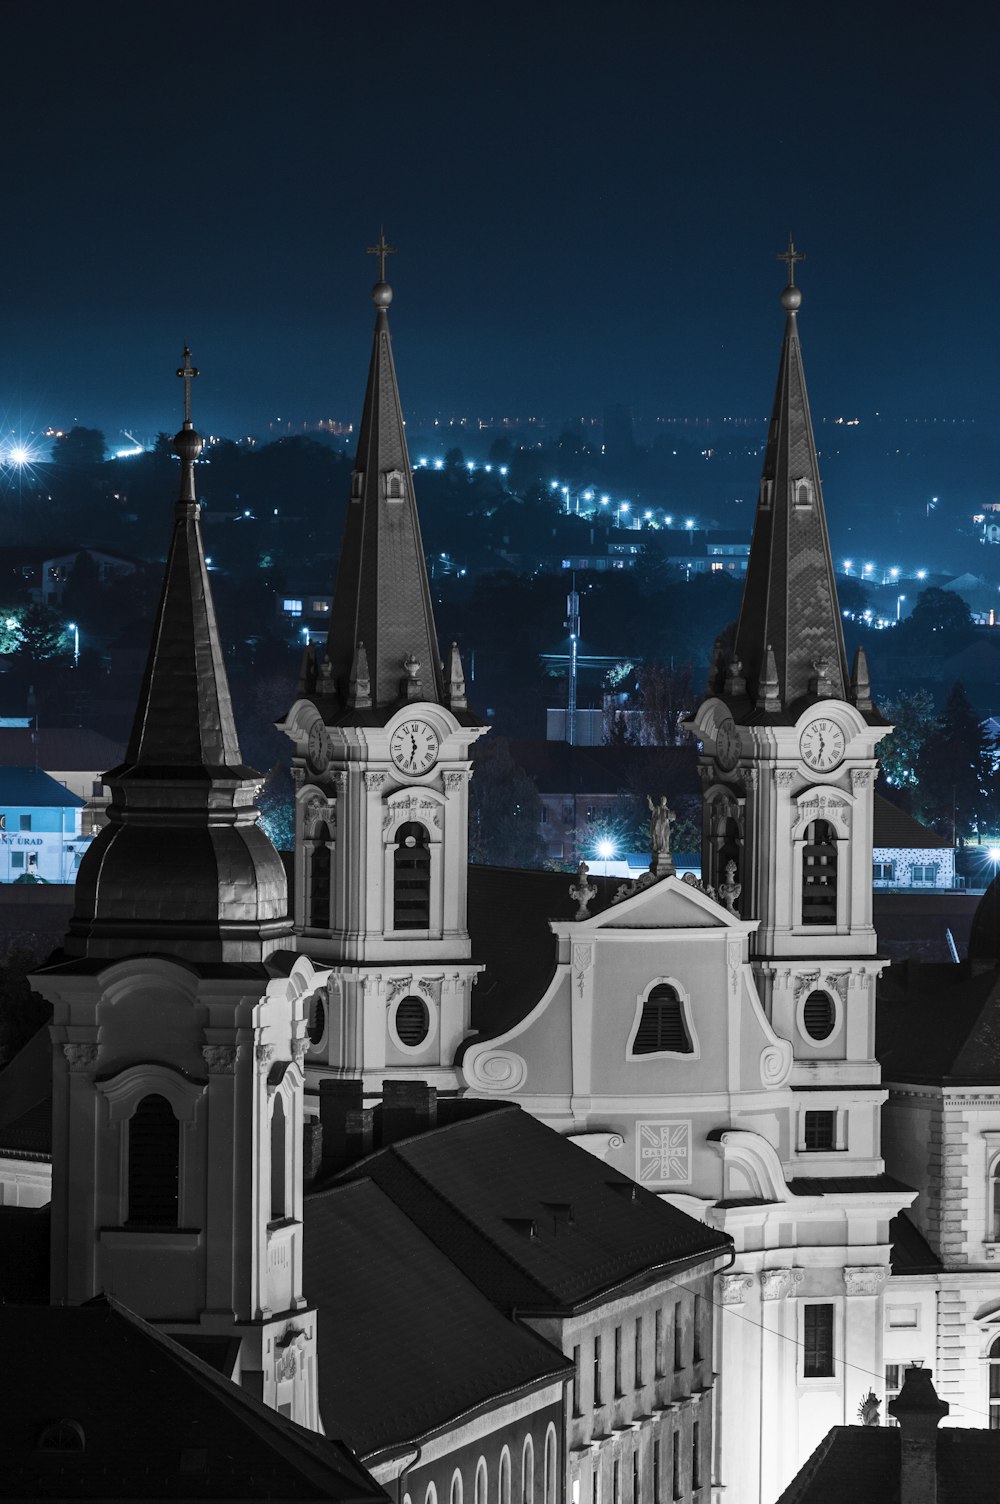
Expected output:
{"points": [[391, 1303], [157, 1422], [506, 901], [861, 1463], [25, 1239], [911, 1253], [894, 827], [26, 1099], [62, 748], [30, 787], [930, 1032], [488, 1192]]}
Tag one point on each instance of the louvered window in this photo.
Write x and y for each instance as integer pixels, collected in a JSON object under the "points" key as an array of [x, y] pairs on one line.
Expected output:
{"points": [[662, 1026], [819, 1016], [317, 1020], [412, 879], [412, 1021], [319, 893], [154, 1151], [819, 874]]}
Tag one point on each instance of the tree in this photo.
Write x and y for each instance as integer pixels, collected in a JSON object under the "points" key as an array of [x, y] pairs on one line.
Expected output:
{"points": [[665, 694], [913, 719], [80, 449], [940, 624], [32, 632], [504, 810], [955, 771]]}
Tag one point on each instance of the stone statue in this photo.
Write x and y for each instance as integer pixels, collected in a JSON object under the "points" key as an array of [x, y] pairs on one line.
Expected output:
{"points": [[730, 890], [662, 820], [868, 1409], [583, 891]]}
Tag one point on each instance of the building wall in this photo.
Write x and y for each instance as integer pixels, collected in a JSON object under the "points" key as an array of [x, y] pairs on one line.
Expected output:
{"points": [[904, 860], [49, 845]]}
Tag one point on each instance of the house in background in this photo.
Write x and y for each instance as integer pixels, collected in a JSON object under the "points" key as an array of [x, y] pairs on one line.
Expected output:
{"points": [[74, 756], [906, 854], [41, 839]]}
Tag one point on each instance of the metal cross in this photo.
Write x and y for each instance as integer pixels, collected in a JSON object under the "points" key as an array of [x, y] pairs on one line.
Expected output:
{"points": [[187, 372], [790, 256], [381, 251]]}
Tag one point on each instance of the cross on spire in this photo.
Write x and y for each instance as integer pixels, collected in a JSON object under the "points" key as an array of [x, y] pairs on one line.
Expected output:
{"points": [[187, 372], [381, 251], [790, 257]]}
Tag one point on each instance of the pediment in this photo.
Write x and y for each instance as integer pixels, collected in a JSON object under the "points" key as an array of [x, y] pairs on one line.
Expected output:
{"points": [[667, 903]]}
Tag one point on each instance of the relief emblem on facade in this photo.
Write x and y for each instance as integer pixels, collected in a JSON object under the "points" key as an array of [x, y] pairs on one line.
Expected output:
{"points": [[663, 1153]]}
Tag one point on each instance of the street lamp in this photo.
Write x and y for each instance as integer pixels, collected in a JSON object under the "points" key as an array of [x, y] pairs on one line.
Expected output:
{"points": [[605, 850], [71, 626], [899, 601]]}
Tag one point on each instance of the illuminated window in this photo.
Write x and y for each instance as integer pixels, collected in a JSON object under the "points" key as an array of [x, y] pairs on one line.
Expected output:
{"points": [[154, 1151], [292, 607]]}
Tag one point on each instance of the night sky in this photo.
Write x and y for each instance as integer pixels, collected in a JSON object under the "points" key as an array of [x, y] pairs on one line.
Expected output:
{"points": [[587, 200]]}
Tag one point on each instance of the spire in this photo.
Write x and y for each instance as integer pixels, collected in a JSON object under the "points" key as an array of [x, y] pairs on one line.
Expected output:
{"points": [[790, 639], [182, 866], [382, 597]]}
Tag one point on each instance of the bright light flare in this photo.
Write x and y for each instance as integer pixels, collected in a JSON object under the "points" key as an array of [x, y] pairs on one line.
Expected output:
{"points": [[606, 850], [994, 854], [20, 455]]}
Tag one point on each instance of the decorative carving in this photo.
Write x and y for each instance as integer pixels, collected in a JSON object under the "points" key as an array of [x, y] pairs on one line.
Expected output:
{"points": [[734, 1288], [339, 779], [495, 1070], [412, 807], [784, 777], [81, 1057], [864, 1279], [431, 988], [804, 982], [582, 891], [300, 1049], [838, 980], [776, 1063], [730, 890], [220, 1058], [776, 1283], [636, 885], [751, 777], [583, 956], [824, 804], [287, 1354], [264, 1054], [454, 782], [375, 781], [861, 778], [661, 824], [663, 1152], [734, 958], [395, 985], [694, 882]]}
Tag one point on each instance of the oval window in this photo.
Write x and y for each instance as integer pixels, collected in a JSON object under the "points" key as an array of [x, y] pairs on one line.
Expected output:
{"points": [[317, 1021], [412, 1021], [819, 1016]]}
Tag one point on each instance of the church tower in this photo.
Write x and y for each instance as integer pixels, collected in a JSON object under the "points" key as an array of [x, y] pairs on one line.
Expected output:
{"points": [[179, 1025], [788, 738], [382, 732]]}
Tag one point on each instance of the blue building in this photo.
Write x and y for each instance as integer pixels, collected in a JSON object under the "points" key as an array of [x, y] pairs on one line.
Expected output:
{"points": [[40, 839]]}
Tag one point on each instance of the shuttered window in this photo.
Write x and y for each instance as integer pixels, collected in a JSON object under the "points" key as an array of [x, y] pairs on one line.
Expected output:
{"points": [[154, 1151], [819, 1016], [661, 1026], [412, 1021], [819, 874], [412, 879]]}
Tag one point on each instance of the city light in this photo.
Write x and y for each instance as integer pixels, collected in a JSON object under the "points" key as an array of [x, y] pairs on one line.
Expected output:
{"points": [[439, 464], [19, 455], [606, 850], [994, 854], [848, 565]]}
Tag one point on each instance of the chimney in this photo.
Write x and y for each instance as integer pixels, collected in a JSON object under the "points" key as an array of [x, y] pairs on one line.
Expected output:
{"points": [[408, 1107], [312, 1150], [337, 1101], [918, 1411]]}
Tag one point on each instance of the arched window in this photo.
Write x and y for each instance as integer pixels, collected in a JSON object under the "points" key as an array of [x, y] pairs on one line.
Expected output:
{"points": [[528, 1472], [319, 880], [662, 1025], [819, 874], [550, 1466], [504, 1479], [995, 1384], [277, 1159], [317, 1018], [456, 1487], [412, 879], [482, 1482], [819, 1015], [154, 1155], [62, 1436], [993, 1214]]}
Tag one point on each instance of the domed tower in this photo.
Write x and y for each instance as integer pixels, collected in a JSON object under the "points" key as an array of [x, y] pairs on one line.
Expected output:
{"points": [[788, 737], [178, 1023], [382, 734]]}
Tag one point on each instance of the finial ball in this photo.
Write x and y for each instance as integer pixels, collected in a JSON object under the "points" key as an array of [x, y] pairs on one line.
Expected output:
{"points": [[381, 294], [791, 299], [188, 445]]}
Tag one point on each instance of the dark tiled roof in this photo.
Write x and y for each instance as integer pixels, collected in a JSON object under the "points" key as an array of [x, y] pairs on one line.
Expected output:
{"points": [[66, 749], [911, 1253], [157, 1422], [488, 1192], [984, 936], [894, 827], [845, 1185], [24, 1255], [861, 1463], [504, 901], [32, 788], [916, 924], [393, 1310], [26, 1099], [948, 1035]]}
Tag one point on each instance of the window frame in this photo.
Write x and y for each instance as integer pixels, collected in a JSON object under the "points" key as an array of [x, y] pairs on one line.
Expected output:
{"points": [[687, 1021]]}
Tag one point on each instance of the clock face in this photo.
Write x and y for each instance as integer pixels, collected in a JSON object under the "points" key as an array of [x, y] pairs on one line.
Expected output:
{"points": [[317, 748], [822, 744], [414, 746], [727, 745]]}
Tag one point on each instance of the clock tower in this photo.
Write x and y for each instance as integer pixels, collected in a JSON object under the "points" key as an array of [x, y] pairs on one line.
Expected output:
{"points": [[382, 733], [788, 737]]}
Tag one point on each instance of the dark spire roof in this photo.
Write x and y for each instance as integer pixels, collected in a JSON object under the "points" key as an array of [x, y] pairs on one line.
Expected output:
{"points": [[790, 607], [382, 597], [182, 866]]}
